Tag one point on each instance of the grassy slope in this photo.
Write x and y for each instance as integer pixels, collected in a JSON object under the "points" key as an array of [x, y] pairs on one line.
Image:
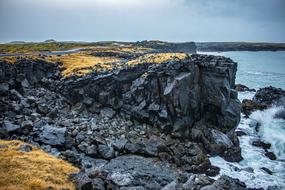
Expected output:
{"points": [[32, 170]]}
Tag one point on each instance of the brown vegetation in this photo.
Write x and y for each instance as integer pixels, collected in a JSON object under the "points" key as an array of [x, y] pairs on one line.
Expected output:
{"points": [[32, 170]]}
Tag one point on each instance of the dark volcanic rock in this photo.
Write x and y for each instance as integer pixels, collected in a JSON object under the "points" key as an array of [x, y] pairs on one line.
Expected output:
{"points": [[270, 95], [261, 144], [25, 148], [270, 155], [226, 183], [4, 89], [106, 152], [138, 171], [174, 113], [264, 98], [266, 170], [243, 88], [52, 135], [172, 96], [249, 106]]}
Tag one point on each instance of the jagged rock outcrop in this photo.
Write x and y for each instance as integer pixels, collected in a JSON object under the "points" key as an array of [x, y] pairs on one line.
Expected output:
{"points": [[172, 96], [263, 99]]}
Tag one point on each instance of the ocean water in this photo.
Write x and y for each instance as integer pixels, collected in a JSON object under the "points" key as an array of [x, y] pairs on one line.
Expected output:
{"points": [[257, 70]]}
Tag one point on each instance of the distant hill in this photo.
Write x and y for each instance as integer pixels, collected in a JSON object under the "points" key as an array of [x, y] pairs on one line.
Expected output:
{"points": [[16, 42], [169, 47], [239, 46], [50, 41]]}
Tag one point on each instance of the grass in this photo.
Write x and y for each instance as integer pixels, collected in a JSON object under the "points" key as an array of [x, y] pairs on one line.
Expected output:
{"points": [[157, 58], [37, 47], [32, 170], [80, 64], [93, 58]]}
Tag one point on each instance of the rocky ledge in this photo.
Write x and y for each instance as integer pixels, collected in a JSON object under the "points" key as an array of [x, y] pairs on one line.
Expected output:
{"points": [[146, 126]]}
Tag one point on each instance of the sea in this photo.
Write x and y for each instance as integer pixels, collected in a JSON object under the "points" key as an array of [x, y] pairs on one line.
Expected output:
{"points": [[257, 70]]}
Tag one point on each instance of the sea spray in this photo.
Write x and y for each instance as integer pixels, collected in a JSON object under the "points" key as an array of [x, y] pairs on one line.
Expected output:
{"points": [[249, 170], [272, 130]]}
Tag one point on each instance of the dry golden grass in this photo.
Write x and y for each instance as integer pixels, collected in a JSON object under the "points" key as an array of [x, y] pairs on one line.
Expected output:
{"points": [[33, 170], [80, 64], [157, 58], [120, 49]]}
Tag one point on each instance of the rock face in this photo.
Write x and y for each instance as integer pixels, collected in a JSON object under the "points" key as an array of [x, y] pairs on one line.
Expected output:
{"points": [[28, 72], [172, 96], [146, 126]]}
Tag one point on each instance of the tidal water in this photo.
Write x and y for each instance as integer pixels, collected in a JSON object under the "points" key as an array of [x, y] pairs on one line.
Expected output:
{"points": [[257, 70]]}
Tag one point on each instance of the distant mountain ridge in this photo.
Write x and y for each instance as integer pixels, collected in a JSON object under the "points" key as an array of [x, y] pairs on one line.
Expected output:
{"points": [[239, 46]]}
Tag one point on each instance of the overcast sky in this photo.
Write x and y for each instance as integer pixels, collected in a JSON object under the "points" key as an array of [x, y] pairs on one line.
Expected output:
{"points": [[132, 20]]}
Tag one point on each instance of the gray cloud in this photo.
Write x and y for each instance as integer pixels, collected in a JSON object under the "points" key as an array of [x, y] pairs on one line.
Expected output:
{"points": [[131, 20]]}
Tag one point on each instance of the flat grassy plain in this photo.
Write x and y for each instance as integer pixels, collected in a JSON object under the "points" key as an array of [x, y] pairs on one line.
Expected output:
{"points": [[39, 47], [92, 57]]}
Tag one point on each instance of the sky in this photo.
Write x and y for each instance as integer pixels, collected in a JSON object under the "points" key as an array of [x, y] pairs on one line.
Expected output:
{"points": [[135, 20]]}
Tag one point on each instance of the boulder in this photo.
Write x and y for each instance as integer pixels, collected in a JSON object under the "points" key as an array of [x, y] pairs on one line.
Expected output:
{"points": [[225, 183], [4, 89], [52, 135], [9, 127], [25, 148], [106, 151], [270, 155], [139, 171]]}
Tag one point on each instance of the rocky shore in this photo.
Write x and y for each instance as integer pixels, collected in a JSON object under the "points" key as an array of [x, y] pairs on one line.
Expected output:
{"points": [[143, 126]]}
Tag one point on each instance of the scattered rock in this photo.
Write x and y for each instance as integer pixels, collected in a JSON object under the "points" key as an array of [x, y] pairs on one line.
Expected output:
{"points": [[248, 106], [170, 186], [27, 124], [43, 108], [144, 172], [267, 170], [105, 151], [52, 135], [10, 127], [270, 155], [225, 183], [240, 133], [4, 89], [243, 88], [261, 144], [107, 112], [25, 148], [121, 179]]}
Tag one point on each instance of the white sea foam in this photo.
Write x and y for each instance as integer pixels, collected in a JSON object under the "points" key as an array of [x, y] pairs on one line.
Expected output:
{"points": [[255, 73], [249, 169], [272, 130]]}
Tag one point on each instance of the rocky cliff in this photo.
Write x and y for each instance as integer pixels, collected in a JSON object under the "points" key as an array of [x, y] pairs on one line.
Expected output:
{"points": [[147, 125], [191, 98]]}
